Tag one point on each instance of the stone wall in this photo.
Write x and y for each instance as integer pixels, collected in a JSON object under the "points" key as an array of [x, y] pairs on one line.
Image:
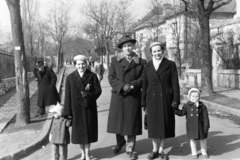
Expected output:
{"points": [[9, 83], [229, 78]]}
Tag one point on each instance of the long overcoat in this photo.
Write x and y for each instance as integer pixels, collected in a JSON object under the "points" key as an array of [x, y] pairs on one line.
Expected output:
{"points": [[125, 115], [47, 91], [83, 110], [160, 90], [196, 120], [59, 131]]}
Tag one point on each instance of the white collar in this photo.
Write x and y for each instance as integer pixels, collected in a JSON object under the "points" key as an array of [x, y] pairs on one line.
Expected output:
{"points": [[81, 73], [156, 63]]}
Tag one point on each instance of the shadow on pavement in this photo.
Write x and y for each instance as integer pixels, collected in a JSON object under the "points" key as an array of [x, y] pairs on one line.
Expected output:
{"points": [[219, 144]]}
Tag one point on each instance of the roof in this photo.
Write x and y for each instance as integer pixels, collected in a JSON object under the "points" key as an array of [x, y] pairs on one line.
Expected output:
{"points": [[222, 23]]}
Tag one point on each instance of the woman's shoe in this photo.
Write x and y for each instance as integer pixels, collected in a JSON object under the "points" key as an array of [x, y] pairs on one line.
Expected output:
{"points": [[163, 156], [153, 155]]}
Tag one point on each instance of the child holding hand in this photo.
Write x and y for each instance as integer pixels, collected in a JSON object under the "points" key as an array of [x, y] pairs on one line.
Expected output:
{"points": [[197, 122], [59, 135]]}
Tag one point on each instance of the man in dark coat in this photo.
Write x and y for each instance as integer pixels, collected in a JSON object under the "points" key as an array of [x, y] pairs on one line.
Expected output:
{"points": [[47, 91], [125, 78], [160, 92]]}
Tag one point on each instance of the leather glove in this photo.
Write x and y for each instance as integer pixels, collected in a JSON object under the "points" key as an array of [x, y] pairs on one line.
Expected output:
{"points": [[205, 129], [126, 87], [175, 105]]}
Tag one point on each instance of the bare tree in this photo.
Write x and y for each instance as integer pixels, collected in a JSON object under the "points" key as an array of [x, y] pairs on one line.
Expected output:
{"points": [[203, 10], [124, 17], [23, 102], [102, 21], [59, 18], [30, 12]]}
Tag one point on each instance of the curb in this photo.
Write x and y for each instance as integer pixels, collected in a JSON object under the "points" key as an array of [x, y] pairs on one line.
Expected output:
{"points": [[216, 106], [41, 140]]}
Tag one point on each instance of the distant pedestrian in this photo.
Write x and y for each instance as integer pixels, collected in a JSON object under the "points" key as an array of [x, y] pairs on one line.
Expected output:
{"points": [[59, 134], [81, 93], [125, 114], [47, 91], [197, 122], [99, 70], [160, 91]]}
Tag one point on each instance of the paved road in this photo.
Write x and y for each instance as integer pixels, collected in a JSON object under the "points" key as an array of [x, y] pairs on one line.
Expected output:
{"points": [[223, 141]]}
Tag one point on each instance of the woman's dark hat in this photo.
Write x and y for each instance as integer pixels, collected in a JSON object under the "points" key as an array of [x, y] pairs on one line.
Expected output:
{"points": [[124, 39]]}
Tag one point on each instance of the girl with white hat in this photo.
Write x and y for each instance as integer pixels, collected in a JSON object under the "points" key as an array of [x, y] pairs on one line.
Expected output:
{"points": [[197, 122]]}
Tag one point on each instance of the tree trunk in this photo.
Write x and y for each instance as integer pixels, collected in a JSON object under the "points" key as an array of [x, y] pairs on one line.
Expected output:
{"points": [[206, 67], [107, 54], [23, 102]]}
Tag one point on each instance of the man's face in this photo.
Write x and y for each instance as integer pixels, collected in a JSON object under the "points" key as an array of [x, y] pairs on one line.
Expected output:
{"points": [[127, 48], [40, 67]]}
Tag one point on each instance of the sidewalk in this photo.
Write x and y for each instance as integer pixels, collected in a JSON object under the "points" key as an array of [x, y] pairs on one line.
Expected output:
{"points": [[21, 142], [17, 142]]}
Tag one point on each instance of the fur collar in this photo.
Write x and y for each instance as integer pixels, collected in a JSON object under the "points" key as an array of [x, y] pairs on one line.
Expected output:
{"points": [[135, 57]]}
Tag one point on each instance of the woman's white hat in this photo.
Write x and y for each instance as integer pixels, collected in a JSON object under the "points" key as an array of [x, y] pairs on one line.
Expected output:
{"points": [[58, 109], [193, 89], [155, 44], [80, 58]]}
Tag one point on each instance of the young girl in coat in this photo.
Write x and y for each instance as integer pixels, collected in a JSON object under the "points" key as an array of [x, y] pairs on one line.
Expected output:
{"points": [[197, 122], [59, 134]]}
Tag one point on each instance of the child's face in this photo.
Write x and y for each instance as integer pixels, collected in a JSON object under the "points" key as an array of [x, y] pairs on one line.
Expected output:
{"points": [[194, 97]]}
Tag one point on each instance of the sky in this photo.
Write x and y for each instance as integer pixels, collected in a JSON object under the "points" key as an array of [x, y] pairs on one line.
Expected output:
{"points": [[139, 9]]}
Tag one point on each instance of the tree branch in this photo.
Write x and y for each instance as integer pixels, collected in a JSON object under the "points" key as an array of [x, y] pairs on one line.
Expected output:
{"points": [[221, 4]]}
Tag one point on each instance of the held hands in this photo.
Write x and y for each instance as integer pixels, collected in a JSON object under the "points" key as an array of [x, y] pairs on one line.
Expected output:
{"points": [[175, 105]]}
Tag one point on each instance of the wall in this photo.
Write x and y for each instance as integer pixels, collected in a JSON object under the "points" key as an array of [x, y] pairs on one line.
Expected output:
{"points": [[7, 66]]}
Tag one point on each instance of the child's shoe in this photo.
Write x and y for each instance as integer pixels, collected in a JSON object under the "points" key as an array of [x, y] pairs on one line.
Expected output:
{"points": [[205, 156], [194, 156]]}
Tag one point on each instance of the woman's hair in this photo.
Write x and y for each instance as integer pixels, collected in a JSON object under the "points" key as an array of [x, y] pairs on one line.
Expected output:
{"points": [[162, 47]]}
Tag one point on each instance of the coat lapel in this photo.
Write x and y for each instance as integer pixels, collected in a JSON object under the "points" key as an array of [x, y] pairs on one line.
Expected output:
{"points": [[152, 70], [86, 76], [78, 80], [163, 66]]}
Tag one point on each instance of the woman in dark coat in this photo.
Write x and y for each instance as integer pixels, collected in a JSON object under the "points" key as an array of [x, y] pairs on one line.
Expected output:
{"points": [[125, 78], [47, 91], [160, 93], [82, 90]]}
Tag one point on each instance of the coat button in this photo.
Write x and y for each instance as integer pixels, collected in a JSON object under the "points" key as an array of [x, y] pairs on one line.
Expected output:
{"points": [[191, 114], [152, 83], [160, 94], [197, 114], [153, 95]]}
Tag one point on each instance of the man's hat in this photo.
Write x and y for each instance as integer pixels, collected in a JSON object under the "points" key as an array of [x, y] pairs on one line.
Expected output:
{"points": [[124, 39]]}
